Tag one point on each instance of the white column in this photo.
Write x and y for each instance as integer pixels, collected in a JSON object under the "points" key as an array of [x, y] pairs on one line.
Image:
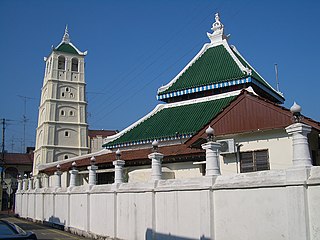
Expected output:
{"points": [[156, 167], [212, 158], [46, 181], [57, 179], [301, 153], [38, 182], [24, 184], [73, 177], [92, 174], [118, 171], [30, 183], [19, 185]]}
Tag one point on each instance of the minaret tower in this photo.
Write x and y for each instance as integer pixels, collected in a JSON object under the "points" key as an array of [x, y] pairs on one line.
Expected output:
{"points": [[62, 124]]}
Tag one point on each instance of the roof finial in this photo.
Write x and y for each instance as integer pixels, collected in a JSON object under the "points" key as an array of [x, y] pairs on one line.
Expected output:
{"points": [[217, 28], [66, 37]]}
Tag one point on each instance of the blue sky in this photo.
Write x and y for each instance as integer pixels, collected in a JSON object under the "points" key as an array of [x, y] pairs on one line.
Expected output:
{"points": [[134, 47]]}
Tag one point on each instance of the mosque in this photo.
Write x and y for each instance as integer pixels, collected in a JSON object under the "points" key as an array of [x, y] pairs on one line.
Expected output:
{"points": [[217, 88]]}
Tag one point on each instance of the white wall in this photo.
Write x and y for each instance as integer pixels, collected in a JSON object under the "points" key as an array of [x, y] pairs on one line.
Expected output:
{"points": [[275, 204]]}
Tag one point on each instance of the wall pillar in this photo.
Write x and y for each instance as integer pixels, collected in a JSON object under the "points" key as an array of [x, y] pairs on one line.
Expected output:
{"points": [[118, 168], [212, 154], [57, 183], [92, 172], [24, 184], [19, 185], [30, 183], [300, 146], [156, 167], [46, 181], [73, 177], [38, 185]]}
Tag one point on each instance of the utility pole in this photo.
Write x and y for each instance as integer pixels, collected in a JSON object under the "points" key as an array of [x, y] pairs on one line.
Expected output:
{"points": [[24, 119], [3, 143]]}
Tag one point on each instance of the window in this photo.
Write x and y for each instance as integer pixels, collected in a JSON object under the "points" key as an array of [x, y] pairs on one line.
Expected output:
{"points": [[62, 113], [71, 95], [71, 113], [61, 62], [254, 161], [66, 134], [67, 89], [62, 94], [66, 156], [74, 66]]}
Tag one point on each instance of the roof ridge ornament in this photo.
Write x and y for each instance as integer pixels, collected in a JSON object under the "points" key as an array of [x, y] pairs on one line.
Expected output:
{"points": [[66, 37], [218, 29]]}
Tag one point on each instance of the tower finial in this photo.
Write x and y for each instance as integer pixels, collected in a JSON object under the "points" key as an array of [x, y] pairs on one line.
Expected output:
{"points": [[217, 28], [66, 37]]}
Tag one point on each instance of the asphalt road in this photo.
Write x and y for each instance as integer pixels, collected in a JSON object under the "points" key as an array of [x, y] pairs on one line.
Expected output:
{"points": [[42, 231]]}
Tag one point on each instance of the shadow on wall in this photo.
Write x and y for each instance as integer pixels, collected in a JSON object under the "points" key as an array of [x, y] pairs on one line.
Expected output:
{"points": [[150, 235]]}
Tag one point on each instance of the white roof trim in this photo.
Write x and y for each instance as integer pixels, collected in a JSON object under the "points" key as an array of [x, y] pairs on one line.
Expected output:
{"points": [[53, 164], [119, 134]]}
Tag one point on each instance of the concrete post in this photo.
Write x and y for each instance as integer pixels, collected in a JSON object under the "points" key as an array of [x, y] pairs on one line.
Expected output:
{"points": [[24, 184], [46, 181], [301, 153], [92, 174], [38, 185], [92, 171], [73, 177], [30, 183], [118, 171], [212, 154], [57, 179], [156, 167], [19, 185]]}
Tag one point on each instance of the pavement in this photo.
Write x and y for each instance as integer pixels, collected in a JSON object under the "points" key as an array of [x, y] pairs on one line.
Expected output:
{"points": [[42, 231]]}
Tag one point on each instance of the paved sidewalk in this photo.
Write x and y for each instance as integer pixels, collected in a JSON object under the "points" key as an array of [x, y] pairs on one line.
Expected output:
{"points": [[42, 231]]}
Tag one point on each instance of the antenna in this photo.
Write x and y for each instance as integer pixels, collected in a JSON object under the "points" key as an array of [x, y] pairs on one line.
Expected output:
{"points": [[24, 119], [277, 79]]}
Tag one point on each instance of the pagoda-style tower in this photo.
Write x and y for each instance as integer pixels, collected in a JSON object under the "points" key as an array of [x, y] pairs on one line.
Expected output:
{"points": [[62, 124]]}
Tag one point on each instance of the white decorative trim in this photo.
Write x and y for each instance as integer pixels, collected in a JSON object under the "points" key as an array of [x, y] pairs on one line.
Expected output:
{"points": [[204, 88], [53, 164]]}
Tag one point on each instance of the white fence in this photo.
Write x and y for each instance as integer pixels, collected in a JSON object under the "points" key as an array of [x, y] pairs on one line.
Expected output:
{"points": [[263, 205]]}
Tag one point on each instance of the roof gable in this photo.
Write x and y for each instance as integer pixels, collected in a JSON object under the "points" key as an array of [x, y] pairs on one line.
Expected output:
{"points": [[172, 122], [250, 113]]}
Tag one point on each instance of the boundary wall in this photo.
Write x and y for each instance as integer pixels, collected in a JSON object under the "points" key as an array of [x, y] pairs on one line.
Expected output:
{"points": [[277, 204]]}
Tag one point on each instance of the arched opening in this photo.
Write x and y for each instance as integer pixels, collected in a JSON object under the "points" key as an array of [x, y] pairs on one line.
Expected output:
{"points": [[62, 113], [61, 62], [66, 156], [66, 134], [74, 66]]}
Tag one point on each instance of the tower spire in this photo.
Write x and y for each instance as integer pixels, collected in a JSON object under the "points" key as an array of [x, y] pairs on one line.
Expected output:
{"points": [[66, 37]]}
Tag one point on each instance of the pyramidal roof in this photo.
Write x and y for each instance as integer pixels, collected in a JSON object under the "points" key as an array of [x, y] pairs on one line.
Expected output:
{"points": [[202, 90], [217, 66], [67, 47], [172, 121]]}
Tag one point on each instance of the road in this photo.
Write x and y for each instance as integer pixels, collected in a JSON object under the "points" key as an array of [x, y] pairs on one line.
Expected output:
{"points": [[42, 231]]}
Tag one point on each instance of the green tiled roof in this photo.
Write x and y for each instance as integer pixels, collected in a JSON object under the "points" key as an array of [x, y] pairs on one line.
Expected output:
{"points": [[168, 122], [215, 66], [67, 48]]}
